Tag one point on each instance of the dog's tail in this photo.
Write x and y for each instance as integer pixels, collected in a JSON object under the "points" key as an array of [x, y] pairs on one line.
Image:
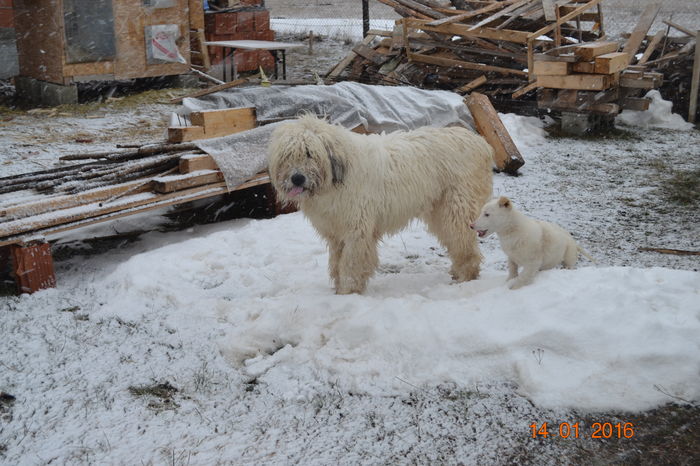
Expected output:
{"points": [[586, 254]]}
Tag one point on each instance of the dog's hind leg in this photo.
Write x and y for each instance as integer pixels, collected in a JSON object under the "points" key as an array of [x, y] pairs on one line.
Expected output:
{"points": [[358, 262], [571, 255], [449, 224]]}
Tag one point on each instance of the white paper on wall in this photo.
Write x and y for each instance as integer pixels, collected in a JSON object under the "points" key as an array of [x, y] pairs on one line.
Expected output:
{"points": [[161, 44]]}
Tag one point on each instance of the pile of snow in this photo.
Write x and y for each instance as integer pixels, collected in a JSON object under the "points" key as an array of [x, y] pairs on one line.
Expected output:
{"points": [[659, 115], [593, 338], [525, 131]]}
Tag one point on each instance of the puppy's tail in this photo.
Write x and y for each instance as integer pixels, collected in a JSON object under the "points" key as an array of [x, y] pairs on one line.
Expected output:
{"points": [[586, 254]]}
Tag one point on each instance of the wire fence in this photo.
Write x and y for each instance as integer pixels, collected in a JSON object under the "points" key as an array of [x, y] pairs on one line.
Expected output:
{"points": [[343, 18]]}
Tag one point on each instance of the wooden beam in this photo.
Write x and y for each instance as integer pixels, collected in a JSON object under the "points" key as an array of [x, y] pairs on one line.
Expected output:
{"points": [[223, 122], [610, 63], [342, 64], [524, 90], [588, 52], [555, 68], [178, 134], [507, 35], [685, 31], [651, 47], [489, 125], [470, 86], [695, 83], [641, 29], [441, 61], [195, 162], [471, 14], [564, 19], [172, 183], [584, 82]]}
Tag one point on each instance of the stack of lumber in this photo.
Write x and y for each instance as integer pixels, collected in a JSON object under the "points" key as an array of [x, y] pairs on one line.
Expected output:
{"points": [[112, 185], [506, 49]]}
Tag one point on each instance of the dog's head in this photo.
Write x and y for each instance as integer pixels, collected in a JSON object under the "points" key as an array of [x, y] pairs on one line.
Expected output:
{"points": [[494, 216], [306, 157]]}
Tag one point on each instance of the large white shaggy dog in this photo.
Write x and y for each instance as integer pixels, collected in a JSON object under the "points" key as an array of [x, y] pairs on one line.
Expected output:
{"points": [[356, 188], [531, 244]]}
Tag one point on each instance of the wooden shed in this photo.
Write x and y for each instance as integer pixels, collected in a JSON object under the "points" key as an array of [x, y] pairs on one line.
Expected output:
{"points": [[68, 41]]}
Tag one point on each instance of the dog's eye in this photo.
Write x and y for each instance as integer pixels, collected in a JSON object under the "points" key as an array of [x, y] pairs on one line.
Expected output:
{"points": [[486, 215], [308, 154]]}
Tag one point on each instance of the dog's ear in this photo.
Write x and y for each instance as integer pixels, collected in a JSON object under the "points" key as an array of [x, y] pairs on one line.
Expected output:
{"points": [[504, 202], [337, 168]]}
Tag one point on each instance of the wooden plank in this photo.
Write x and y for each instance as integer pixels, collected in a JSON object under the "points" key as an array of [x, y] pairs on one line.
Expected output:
{"points": [[178, 134], [470, 86], [471, 14], [552, 68], [585, 82], [194, 162], [548, 7], [611, 63], [420, 8], [52, 203], [507, 35], [653, 44], [370, 54], [584, 67], [588, 52], [564, 19], [524, 90], [500, 14], [172, 183], [643, 83], [568, 58], [342, 64], [695, 82], [211, 90], [636, 103], [685, 31], [441, 61], [640, 30], [218, 123], [489, 125]]}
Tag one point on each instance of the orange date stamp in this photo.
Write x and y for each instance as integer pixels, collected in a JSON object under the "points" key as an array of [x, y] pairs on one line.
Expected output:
{"points": [[598, 430]]}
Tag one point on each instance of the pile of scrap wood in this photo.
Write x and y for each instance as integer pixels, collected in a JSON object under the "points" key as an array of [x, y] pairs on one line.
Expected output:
{"points": [[113, 184], [507, 50], [673, 52]]}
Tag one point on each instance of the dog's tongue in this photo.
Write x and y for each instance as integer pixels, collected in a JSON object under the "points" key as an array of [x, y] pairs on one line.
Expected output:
{"points": [[295, 191], [481, 233]]}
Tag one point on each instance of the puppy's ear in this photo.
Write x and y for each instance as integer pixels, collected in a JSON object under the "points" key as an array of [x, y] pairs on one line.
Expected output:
{"points": [[504, 202], [337, 168]]}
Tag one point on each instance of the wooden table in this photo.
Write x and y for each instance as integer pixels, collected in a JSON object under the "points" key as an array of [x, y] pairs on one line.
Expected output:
{"points": [[275, 48]]}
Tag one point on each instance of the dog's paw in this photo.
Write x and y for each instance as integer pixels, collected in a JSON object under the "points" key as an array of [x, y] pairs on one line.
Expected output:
{"points": [[514, 284]]}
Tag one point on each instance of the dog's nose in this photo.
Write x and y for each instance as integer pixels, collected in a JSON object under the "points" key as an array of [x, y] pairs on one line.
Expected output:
{"points": [[471, 225], [298, 179]]}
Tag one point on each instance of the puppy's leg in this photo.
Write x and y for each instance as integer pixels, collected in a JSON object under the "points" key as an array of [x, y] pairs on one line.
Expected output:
{"points": [[571, 255], [357, 263], [512, 269], [526, 277], [335, 250], [449, 222]]}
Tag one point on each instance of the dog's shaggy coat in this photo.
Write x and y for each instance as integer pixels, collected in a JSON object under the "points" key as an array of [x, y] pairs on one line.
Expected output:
{"points": [[356, 188]]}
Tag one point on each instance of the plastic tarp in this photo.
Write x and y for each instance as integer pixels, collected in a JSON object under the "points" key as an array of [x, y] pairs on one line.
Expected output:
{"points": [[378, 108]]}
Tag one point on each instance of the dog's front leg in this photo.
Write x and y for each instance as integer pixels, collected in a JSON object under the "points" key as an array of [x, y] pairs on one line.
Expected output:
{"points": [[526, 277], [512, 269], [335, 251], [358, 261]]}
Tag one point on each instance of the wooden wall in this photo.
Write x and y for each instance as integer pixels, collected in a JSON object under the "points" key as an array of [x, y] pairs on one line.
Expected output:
{"points": [[40, 41]]}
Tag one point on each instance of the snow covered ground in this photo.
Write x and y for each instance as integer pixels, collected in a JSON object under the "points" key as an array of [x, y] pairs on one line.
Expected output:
{"points": [[225, 344]]}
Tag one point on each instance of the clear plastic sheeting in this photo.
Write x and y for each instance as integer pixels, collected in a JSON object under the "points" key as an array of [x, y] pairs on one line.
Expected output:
{"points": [[377, 108]]}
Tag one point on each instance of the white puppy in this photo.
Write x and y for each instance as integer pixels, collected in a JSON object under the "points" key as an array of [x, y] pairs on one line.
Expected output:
{"points": [[531, 244]]}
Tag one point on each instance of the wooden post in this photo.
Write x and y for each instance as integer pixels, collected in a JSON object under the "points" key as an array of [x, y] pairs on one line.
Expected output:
{"points": [[693, 104], [365, 17], [33, 267], [507, 156]]}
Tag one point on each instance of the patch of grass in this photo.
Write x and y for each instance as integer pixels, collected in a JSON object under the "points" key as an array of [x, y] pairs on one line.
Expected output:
{"points": [[684, 188], [556, 132], [160, 395]]}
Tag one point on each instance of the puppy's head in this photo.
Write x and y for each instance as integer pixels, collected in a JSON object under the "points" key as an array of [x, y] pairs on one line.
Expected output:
{"points": [[494, 216], [305, 158]]}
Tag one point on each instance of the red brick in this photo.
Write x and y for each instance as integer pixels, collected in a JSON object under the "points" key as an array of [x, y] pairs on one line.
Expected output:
{"points": [[33, 267], [262, 21], [5, 3], [246, 21], [6, 18]]}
